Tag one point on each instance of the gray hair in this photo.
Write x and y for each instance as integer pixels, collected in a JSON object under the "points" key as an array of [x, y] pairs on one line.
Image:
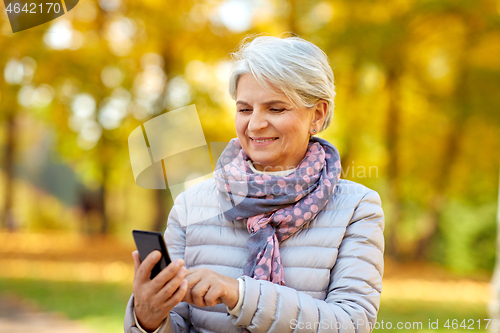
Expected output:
{"points": [[290, 65]]}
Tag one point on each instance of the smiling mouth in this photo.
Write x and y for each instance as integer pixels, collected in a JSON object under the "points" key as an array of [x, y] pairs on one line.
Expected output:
{"points": [[266, 140]]}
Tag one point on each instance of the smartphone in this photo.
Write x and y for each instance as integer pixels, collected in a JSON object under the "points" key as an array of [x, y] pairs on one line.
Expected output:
{"points": [[147, 242]]}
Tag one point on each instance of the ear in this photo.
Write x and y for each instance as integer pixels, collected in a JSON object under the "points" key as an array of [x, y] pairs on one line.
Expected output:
{"points": [[319, 115]]}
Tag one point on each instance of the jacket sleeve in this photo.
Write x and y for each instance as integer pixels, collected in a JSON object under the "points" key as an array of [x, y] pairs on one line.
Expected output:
{"points": [[353, 295], [175, 238]]}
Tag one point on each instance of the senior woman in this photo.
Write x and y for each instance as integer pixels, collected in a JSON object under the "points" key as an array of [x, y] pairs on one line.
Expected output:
{"points": [[276, 241]]}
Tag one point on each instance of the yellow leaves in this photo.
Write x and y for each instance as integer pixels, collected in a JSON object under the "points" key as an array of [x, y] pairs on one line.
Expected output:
{"points": [[437, 50], [377, 12], [372, 79], [486, 53], [440, 72], [323, 12]]}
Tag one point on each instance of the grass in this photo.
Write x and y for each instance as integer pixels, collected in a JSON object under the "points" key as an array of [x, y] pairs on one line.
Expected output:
{"points": [[101, 306], [414, 312]]}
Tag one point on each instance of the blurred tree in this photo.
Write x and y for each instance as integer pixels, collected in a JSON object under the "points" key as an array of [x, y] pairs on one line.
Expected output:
{"points": [[16, 73], [94, 116], [411, 69], [8, 159], [417, 96], [463, 26]]}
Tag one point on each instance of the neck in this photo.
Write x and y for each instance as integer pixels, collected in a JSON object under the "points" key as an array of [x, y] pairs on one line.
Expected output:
{"points": [[280, 172], [269, 168]]}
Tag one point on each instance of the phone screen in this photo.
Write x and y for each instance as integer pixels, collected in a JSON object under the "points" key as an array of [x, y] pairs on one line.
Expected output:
{"points": [[147, 242]]}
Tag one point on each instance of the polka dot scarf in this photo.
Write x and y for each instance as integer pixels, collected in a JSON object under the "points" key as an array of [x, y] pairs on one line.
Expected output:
{"points": [[274, 207]]}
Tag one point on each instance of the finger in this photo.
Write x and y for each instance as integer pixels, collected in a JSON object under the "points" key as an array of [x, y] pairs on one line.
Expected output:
{"points": [[193, 278], [178, 295], [169, 289], [192, 271], [198, 293], [166, 274], [212, 297], [191, 281], [196, 277], [144, 270], [137, 261], [187, 297]]}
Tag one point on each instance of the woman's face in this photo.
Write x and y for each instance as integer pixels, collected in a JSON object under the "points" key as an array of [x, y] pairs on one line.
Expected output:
{"points": [[271, 131]]}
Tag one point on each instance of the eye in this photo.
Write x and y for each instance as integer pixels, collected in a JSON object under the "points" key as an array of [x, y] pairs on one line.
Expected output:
{"points": [[244, 110], [278, 110]]}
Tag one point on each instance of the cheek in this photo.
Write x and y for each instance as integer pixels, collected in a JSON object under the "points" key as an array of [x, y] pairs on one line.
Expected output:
{"points": [[301, 126], [292, 128], [240, 125]]}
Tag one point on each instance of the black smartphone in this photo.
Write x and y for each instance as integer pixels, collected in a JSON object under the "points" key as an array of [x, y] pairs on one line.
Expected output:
{"points": [[147, 242]]}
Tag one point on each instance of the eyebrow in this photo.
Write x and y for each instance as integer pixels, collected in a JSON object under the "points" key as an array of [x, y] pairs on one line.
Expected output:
{"points": [[265, 103]]}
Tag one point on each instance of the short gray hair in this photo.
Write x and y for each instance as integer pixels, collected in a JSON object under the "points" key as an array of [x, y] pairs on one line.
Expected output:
{"points": [[291, 65]]}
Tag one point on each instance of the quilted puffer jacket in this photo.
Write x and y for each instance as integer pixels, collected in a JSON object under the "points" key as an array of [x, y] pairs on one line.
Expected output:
{"points": [[333, 266]]}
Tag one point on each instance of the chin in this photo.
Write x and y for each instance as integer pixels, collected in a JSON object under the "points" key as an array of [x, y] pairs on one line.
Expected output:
{"points": [[263, 163], [256, 160]]}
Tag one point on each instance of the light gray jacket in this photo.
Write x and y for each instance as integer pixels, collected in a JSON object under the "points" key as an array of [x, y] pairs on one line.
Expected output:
{"points": [[333, 267]]}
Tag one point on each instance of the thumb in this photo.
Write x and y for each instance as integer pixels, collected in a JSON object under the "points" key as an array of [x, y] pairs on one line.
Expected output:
{"points": [[137, 261]]}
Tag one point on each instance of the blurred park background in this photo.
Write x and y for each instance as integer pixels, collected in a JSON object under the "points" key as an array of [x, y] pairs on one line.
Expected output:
{"points": [[416, 119]]}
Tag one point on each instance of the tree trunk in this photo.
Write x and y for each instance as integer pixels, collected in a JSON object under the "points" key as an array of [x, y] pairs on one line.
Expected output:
{"points": [[461, 106], [353, 120], [164, 204], [438, 200], [10, 145], [392, 137], [102, 203]]}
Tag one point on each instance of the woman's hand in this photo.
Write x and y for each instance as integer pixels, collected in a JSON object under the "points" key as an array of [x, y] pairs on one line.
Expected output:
{"points": [[207, 288], [153, 299]]}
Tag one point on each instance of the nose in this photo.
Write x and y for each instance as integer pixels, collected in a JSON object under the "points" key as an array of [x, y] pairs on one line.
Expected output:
{"points": [[258, 121]]}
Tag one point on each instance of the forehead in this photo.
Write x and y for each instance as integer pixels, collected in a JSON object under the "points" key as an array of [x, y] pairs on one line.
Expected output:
{"points": [[249, 90]]}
